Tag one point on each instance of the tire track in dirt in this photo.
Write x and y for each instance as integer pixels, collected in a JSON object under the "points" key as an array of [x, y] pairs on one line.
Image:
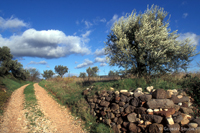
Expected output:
{"points": [[59, 117], [14, 120]]}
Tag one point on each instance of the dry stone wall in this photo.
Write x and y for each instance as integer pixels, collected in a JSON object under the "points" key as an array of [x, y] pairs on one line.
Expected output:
{"points": [[153, 111]]}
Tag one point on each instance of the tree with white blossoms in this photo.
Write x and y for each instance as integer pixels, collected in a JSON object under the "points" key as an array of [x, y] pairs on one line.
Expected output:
{"points": [[143, 45]]}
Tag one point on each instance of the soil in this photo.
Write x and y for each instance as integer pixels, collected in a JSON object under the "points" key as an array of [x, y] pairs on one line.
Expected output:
{"points": [[56, 118]]}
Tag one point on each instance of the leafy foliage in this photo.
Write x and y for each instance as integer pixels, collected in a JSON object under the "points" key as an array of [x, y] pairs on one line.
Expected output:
{"points": [[112, 73], [48, 74], [92, 72], [143, 45], [61, 70], [82, 75], [7, 65], [34, 74]]}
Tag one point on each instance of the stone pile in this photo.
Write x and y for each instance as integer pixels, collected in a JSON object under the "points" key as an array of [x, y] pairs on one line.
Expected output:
{"points": [[153, 111]]}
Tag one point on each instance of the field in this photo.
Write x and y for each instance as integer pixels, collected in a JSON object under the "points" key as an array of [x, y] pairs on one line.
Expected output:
{"points": [[69, 91]]}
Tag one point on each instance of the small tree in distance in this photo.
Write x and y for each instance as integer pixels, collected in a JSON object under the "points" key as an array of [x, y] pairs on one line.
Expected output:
{"points": [[82, 75], [61, 70], [48, 74]]}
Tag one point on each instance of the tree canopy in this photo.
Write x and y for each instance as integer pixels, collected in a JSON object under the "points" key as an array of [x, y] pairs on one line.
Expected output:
{"points": [[82, 75], [8, 65], [143, 45], [47, 74], [61, 70]]}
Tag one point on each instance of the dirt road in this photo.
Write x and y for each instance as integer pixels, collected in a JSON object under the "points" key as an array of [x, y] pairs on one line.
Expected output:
{"points": [[58, 119], [14, 120]]}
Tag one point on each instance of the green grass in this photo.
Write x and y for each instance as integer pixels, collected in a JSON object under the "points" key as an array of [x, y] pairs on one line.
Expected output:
{"points": [[10, 83]]}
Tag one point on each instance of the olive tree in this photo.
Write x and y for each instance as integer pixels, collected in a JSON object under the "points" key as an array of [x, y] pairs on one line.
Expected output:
{"points": [[82, 75], [143, 45], [92, 72], [47, 74], [61, 70]]}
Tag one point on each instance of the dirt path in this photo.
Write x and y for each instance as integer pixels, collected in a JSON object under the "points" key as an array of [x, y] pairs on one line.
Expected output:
{"points": [[60, 117], [14, 120]]}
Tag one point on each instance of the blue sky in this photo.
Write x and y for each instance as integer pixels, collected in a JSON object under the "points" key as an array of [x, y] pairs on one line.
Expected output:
{"points": [[44, 33]]}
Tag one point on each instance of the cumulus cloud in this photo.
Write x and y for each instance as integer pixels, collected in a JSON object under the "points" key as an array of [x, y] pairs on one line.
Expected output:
{"points": [[112, 21], [99, 52], [194, 38], [102, 60], [103, 64], [86, 63], [103, 20], [11, 23], [185, 15], [45, 44], [36, 63]]}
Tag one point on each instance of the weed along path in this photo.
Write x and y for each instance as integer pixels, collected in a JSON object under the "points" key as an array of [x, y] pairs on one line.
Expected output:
{"points": [[60, 117], [14, 119]]}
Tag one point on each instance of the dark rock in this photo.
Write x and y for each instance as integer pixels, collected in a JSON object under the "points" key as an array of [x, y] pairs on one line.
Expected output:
{"points": [[90, 100], [98, 101], [103, 113], [117, 99], [105, 103], [137, 94], [132, 127], [197, 120], [85, 92], [140, 110], [184, 99], [186, 110], [175, 128], [115, 120], [104, 93], [124, 129], [176, 107], [145, 98], [118, 114], [121, 104], [126, 94], [121, 109], [95, 100], [115, 129], [126, 105], [135, 102], [132, 117], [123, 98], [125, 124], [116, 111], [156, 128], [159, 94], [175, 99], [151, 118], [114, 107], [110, 92], [160, 103], [129, 109], [92, 105], [120, 120], [185, 104], [128, 99], [108, 98], [178, 119]]}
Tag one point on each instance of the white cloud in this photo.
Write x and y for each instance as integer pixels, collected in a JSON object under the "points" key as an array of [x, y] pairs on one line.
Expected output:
{"points": [[11, 23], [85, 36], [102, 60], [103, 64], [36, 63], [88, 24], [45, 43], [99, 52], [77, 22], [76, 62], [103, 20], [194, 38], [185, 15], [113, 20], [86, 63]]}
